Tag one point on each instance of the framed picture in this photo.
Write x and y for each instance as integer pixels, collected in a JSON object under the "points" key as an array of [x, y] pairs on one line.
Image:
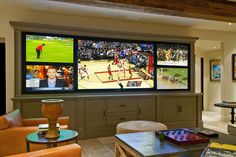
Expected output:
{"points": [[234, 66], [215, 70]]}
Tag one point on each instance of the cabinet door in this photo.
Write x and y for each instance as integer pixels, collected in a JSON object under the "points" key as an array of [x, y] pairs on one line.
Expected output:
{"points": [[169, 109], [146, 109], [95, 111], [188, 108]]}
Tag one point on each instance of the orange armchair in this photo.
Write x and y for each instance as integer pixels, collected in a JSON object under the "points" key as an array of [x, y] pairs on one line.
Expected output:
{"points": [[72, 150], [14, 129]]}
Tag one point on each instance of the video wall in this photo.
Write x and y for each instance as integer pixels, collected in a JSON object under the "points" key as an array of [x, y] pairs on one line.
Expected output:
{"points": [[63, 63]]}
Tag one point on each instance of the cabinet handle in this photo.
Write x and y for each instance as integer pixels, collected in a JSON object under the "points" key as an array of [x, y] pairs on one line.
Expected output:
{"points": [[180, 108], [123, 105], [122, 118], [104, 113], [139, 110]]}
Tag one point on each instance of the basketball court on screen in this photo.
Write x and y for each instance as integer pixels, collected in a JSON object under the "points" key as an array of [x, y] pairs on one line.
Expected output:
{"points": [[97, 76]]}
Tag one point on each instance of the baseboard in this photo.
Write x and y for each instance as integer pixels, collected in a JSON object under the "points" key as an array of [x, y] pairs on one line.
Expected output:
{"points": [[225, 118]]}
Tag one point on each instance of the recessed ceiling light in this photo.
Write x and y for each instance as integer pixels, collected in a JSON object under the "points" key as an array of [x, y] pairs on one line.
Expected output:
{"points": [[229, 23]]}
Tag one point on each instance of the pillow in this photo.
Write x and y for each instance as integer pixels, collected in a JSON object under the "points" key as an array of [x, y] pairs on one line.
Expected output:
{"points": [[14, 118], [4, 124]]}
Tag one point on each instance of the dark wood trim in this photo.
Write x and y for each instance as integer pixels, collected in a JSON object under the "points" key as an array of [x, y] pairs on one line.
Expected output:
{"points": [[202, 80], [3, 78], [220, 10]]}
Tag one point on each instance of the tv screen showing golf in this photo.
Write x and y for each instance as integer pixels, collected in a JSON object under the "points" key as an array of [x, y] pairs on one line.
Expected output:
{"points": [[172, 54], [48, 48], [115, 64], [49, 78], [172, 78], [69, 63]]}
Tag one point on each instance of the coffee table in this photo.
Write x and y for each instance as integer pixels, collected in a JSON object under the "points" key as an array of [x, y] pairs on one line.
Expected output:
{"points": [[147, 144], [65, 135]]}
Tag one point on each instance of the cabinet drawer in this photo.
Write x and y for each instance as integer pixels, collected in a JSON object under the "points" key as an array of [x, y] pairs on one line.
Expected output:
{"points": [[114, 119], [121, 106]]}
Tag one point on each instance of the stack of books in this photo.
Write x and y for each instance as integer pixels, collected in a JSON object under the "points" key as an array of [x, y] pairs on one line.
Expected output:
{"points": [[232, 129], [219, 150], [43, 128]]}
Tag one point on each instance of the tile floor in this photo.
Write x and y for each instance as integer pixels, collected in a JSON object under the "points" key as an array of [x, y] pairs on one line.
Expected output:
{"points": [[104, 147], [211, 120]]}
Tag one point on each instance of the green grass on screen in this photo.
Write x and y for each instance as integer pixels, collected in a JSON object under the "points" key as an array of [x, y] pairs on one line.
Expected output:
{"points": [[55, 50]]}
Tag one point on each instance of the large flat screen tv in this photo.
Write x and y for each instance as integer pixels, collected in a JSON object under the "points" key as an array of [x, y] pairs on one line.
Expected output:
{"points": [[49, 78], [115, 64], [172, 54], [173, 66], [54, 63], [48, 48], [48, 63]]}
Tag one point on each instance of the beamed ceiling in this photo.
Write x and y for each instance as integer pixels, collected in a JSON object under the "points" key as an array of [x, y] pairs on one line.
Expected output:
{"points": [[219, 10]]}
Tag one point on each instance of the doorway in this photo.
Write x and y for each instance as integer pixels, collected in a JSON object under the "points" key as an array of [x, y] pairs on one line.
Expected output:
{"points": [[3, 78]]}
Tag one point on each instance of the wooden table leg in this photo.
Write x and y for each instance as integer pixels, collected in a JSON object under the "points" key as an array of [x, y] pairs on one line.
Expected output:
{"points": [[27, 146], [232, 115], [119, 152]]}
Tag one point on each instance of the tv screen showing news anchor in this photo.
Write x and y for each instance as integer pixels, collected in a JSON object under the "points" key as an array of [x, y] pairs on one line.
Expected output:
{"points": [[48, 77]]}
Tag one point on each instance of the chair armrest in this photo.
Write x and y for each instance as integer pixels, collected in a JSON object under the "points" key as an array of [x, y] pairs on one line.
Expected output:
{"points": [[12, 140], [71, 150], [37, 121]]}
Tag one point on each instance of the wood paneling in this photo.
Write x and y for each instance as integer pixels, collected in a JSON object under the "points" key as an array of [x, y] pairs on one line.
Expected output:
{"points": [[220, 10]]}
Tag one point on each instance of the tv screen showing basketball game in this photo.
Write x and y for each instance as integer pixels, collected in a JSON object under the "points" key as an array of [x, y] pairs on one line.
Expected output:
{"points": [[116, 64], [49, 78], [172, 54], [49, 48], [65, 63], [172, 78]]}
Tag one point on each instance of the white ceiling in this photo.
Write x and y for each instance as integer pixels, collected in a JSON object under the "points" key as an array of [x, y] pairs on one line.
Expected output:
{"points": [[76, 9]]}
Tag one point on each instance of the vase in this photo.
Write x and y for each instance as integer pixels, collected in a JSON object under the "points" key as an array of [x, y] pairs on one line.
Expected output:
{"points": [[52, 109]]}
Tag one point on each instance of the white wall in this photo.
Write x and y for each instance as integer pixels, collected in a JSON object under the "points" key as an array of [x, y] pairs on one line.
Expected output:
{"points": [[212, 89], [14, 14]]}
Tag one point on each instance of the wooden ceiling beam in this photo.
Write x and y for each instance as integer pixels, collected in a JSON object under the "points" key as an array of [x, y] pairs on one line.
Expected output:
{"points": [[219, 10]]}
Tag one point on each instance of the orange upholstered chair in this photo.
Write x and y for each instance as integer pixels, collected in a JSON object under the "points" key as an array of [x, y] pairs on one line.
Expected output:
{"points": [[14, 129], [71, 150]]}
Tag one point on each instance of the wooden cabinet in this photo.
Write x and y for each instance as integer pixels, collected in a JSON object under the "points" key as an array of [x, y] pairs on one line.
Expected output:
{"points": [[97, 116], [95, 113], [187, 108], [119, 110], [146, 108], [178, 111]]}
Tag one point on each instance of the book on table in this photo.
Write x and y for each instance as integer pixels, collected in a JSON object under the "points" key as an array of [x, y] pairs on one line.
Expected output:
{"points": [[215, 149], [43, 128]]}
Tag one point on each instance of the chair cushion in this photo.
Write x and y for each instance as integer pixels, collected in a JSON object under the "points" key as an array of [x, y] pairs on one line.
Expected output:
{"points": [[14, 118], [4, 124]]}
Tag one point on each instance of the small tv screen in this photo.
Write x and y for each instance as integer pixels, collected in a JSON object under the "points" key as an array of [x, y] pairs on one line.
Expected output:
{"points": [[172, 78], [117, 64], [49, 48], [49, 78], [172, 54]]}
